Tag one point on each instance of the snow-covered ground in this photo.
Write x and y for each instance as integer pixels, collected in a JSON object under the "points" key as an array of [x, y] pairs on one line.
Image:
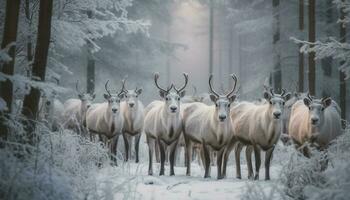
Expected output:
{"points": [[136, 184]]}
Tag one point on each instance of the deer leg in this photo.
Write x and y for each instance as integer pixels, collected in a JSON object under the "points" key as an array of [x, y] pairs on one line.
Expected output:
{"points": [[257, 162], [238, 149], [137, 145], [188, 153], [157, 153], [172, 158], [113, 147], [226, 154], [206, 160], [126, 146], [268, 156], [162, 157], [248, 154], [151, 145], [219, 157]]}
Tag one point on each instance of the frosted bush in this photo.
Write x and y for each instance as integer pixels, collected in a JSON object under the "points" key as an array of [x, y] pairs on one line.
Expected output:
{"points": [[62, 165]]}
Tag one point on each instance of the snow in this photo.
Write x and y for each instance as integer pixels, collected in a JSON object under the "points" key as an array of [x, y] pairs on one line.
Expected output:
{"points": [[180, 186]]}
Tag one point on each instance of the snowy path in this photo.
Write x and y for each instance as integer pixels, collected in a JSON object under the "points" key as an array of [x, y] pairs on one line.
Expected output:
{"points": [[142, 186]]}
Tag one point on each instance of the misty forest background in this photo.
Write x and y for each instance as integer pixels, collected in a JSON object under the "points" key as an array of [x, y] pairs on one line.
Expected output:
{"points": [[92, 41], [47, 46]]}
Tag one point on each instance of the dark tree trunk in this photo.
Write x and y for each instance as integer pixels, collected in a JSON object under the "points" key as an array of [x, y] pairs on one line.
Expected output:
{"points": [[90, 65], [10, 35], [211, 36], [31, 101], [301, 55], [312, 38], [277, 71], [342, 89], [29, 36]]}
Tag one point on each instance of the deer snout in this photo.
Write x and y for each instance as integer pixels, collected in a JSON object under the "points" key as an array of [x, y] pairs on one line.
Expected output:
{"points": [[131, 104], [114, 110], [222, 117], [314, 120], [277, 114], [173, 108]]}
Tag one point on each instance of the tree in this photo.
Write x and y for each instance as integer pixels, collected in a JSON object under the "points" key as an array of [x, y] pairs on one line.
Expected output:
{"points": [[31, 101], [211, 36], [312, 38], [301, 54], [90, 63], [10, 36], [277, 71], [342, 88]]}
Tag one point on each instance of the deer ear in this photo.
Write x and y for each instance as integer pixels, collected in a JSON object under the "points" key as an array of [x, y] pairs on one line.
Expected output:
{"points": [[213, 98], [307, 102], [327, 102], [139, 91], [232, 98], [267, 95], [287, 96], [106, 96], [162, 93], [182, 93]]}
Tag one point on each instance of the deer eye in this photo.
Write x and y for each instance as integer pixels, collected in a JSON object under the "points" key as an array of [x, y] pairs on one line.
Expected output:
{"points": [[178, 98], [48, 103], [228, 105], [271, 102], [322, 109], [166, 98], [283, 103]]}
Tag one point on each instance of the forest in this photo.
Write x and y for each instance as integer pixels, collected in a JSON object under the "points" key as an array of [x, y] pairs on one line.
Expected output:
{"points": [[176, 99]]}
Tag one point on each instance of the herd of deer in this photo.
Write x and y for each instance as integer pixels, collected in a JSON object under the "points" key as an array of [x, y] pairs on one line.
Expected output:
{"points": [[220, 126]]}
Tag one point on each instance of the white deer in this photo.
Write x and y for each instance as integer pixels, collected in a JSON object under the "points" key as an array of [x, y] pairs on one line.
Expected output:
{"points": [[133, 113], [210, 126], [163, 123], [106, 120]]}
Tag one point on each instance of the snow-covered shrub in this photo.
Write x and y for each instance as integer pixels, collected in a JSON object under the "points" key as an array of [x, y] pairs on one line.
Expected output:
{"points": [[62, 165], [303, 178]]}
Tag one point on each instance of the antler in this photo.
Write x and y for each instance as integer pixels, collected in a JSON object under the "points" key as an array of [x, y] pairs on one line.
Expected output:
{"points": [[283, 92], [194, 90], [123, 85], [234, 86], [106, 88], [122, 90], [308, 96], [156, 77], [184, 86], [77, 87], [211, 87]]}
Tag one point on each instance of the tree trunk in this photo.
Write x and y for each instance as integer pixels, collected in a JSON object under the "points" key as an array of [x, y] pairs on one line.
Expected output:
{"points": [[211, 36], [277, 71], [312, 38], [301, 55], [31, 101], [342, 89], [10, 35], [29, 37], [90, 78]]}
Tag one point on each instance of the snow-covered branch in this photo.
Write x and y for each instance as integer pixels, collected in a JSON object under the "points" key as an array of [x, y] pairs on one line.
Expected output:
{"points": [[331, 48]]}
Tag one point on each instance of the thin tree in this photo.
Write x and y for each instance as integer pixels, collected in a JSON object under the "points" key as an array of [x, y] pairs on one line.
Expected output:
{"points": [[211, 36], [90, 64], [312, 37], [342, 88], [9, 36], [277, 71], [31, 101], [301, 55]]}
